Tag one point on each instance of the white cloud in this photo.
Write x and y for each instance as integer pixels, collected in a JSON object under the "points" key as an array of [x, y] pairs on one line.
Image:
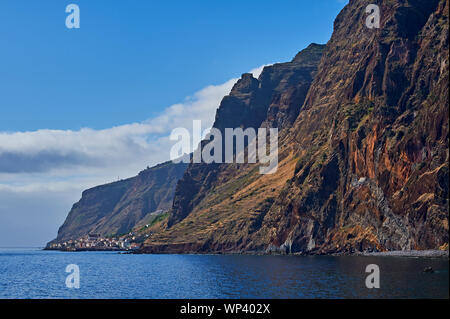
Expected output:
{"points": [[56, 165], [66, 152]]}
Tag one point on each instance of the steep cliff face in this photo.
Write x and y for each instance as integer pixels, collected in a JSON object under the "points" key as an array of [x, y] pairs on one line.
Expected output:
{"points": [[117, 207], [372, 138], [207, 207], [273, 100], [363, 149]]}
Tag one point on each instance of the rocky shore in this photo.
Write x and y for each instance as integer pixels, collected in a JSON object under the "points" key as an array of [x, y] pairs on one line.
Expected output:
{"points": [[190, 248], [410, 253]]}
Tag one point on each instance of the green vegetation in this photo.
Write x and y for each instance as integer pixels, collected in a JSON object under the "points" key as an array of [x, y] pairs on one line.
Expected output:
{"points": [[357, 113], [228, 190], [159, 218]]}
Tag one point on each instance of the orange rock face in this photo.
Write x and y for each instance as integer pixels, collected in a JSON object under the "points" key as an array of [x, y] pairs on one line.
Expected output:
{"points": [[364, 161]]}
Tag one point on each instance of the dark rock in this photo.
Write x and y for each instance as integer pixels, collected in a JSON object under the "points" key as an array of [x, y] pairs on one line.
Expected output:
{"points": [[428, 270]]}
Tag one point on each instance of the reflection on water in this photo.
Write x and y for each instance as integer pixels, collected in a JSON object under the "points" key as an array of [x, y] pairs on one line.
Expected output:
{"points": [[41, 274]]}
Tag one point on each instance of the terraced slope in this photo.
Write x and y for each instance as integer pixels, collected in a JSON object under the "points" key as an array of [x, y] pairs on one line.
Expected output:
{"points": [[364, 165]]}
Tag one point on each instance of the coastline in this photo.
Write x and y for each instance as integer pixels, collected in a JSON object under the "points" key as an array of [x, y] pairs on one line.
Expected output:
{"points": [[410, 253], [431, 253], [86, 249]]}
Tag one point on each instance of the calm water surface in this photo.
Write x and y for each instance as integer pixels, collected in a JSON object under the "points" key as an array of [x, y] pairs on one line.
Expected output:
{"points": [[33, 273]]}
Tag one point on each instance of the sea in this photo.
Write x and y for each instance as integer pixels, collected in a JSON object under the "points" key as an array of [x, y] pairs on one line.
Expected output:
{"points": [[32, 273]]}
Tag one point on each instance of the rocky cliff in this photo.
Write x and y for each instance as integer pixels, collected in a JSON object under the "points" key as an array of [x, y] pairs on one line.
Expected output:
{"points": [[372, 139], [116, 208], [363, 150], [272, 100]]}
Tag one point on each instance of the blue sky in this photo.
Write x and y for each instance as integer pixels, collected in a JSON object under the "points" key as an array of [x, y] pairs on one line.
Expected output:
{"points": [[75, 105], [130, 59]]}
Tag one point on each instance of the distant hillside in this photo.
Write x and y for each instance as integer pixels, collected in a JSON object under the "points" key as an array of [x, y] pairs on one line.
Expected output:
{"points": [[118, 207]]}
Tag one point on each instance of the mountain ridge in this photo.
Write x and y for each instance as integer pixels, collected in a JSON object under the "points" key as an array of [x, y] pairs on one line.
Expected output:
{"points": [[362, 168], [363, 150]]}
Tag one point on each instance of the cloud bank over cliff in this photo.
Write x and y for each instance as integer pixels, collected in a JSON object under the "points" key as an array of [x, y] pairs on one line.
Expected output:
{"points": [[41, 167]]}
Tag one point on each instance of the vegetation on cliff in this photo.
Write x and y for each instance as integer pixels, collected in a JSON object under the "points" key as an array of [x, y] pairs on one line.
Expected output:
{"points": [[363, 153]]}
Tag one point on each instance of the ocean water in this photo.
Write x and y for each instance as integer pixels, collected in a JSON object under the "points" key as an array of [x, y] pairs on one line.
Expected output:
{"points": [[33, 273]]}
